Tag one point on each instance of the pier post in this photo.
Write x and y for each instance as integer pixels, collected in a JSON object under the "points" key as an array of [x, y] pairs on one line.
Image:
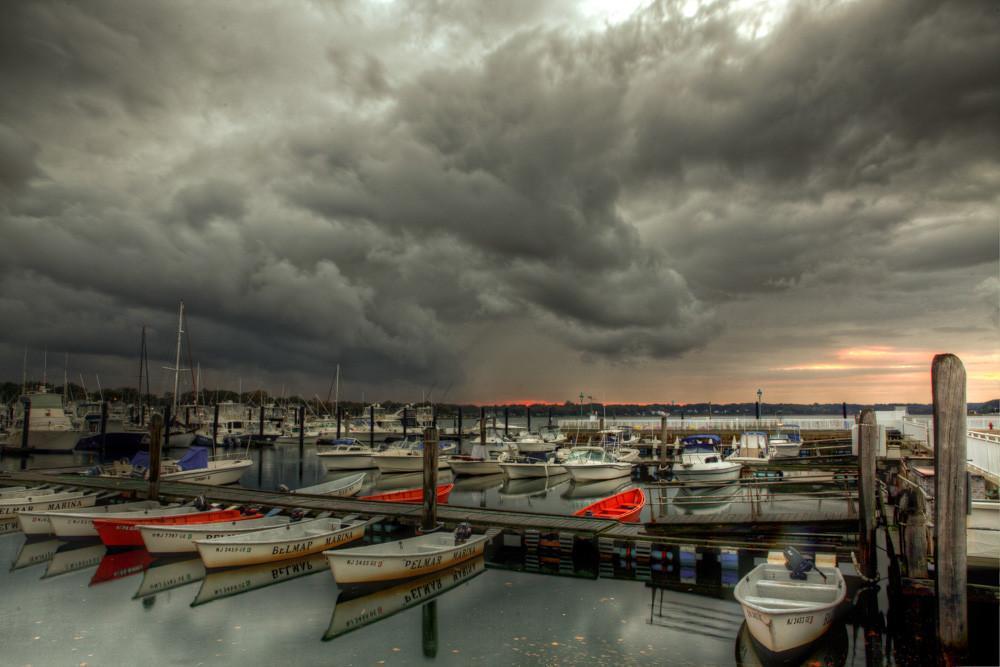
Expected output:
{"points": [[506, 421], [104, 430], [25, 421], [302, 430], [429, 518], [260, 425], [867, 490], [371, 425], [527, 412], [550, 415], [482, 427], [434, 416], [429, 629], [950, 505], [843, 407], [915, 534], [159, 434], [339, 413], [215, 427], [663, 441]]}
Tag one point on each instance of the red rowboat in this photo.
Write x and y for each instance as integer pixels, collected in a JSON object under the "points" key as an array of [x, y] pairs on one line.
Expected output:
{"points": [[624, 506], [414, 496], [125, 532]]}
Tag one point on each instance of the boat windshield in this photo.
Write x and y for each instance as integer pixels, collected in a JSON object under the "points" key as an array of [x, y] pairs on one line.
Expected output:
{"points": [[586, 456]]}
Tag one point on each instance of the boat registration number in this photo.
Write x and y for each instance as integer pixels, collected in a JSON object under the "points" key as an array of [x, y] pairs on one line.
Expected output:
{"points": [[800, 620]]}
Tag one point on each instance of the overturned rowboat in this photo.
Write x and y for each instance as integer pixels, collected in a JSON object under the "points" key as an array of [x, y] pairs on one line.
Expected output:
{"points": [[404, 559], [789, 601], [293, 540], [415, 496], [624, 506]]}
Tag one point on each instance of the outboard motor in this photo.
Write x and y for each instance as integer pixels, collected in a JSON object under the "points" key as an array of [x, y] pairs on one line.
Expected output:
{"points": [[200, 503], [463, 532], [297, 515], [799, 565], [250, 509]]}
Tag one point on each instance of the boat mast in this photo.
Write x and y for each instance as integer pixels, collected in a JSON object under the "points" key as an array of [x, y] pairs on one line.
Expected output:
{"points": [[177, 358], [336, 400], [45, 366]]}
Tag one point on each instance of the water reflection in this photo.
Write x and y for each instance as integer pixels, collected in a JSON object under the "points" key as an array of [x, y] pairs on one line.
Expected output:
{"points": [[121, 564], [830, 650], [35, 552], [523, 488], [358, 607], [226, 583], [166, 574], [74, 557]]}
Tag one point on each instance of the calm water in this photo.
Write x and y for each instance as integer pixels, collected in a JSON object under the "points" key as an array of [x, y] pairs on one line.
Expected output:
{"points": [[68, 604]]}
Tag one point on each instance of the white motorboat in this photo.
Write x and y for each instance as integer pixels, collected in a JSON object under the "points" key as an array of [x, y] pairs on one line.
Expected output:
{"points": [[591, 464], [78, 525], [38, 523], [534, 443], [479, 463], [49, 425], [299, 538], [700, 461], [341, 488], [347, 454], [409, 457], [787, 609], [403, 559], [46, 501], [785, 443], [195, 467], [178, 539]]}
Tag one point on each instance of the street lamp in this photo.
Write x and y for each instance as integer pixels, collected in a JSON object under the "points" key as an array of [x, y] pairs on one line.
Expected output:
{"points": [[760, 394]]}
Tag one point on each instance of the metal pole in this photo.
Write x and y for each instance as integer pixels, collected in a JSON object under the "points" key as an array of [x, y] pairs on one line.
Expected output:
{"points": [[527, 412], [338, 420], [404, 423], [371, 425], [429, 519], [506, 421], [25, 421], [104, 430]]}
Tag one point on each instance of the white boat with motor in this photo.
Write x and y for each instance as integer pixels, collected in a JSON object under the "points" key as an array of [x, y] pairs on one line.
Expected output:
{"points": [[785, 442], [79, 525], [528, 469], [406, 558], [179, 539], [47, 501], [409, 456], [591, 464], [49, 425], [480, 462], [347, 454], [299, 538], [39, 523], [343, 487], [790, 601], [193, 467], [700, 461]]}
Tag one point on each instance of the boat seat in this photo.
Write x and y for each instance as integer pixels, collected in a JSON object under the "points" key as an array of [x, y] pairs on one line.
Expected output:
{"points": [[775, 603], [811, 593]]}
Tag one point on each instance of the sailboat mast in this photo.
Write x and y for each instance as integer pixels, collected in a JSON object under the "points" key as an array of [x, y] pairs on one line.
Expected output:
{"points": [[66, 378], [336, 400], [45, 367], [177, 357]]}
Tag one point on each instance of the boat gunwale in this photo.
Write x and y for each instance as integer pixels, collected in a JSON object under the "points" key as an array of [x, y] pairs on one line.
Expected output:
{"points": [[230, 540]]}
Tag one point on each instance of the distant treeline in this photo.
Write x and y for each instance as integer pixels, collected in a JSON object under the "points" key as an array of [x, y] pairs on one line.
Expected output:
{"points": [[10, 391]]}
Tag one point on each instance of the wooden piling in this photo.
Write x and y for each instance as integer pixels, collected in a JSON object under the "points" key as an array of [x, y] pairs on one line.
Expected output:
{"points": [[950, 505], [506, 421], [371, 425], [915, 534], [527, 412], [215, 427], [159, 433], [260, 426], [104, 430], [550, 415], [663, 441], [867, 447], [429, 518], [404, 422], [339, 413], [302, 431], [482, 426], [25, 421]]}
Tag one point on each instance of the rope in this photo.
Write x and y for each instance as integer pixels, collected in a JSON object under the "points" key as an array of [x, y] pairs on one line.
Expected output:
{"points": [[857, 567]]}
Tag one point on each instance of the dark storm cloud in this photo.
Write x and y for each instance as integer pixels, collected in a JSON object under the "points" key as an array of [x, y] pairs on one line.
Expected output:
{"points": [[398, 187]]}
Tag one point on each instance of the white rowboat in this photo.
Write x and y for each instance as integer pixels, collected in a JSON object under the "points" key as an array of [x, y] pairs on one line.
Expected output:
{"points": [[300, 538], [76, 525], [178, 539], [342, 488], [39, 523], [46, 502], [403, 559]]}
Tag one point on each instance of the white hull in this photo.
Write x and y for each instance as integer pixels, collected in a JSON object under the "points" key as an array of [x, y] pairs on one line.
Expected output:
{"points": [[783, 614], [788, 451], [47, 502], [403, 559], [63, 441], [292, 541], [347, 461], [404, 463], [79, 525], [218, 473], [531, 470], [341, 488], [39, 523], [167, 539], [726, 472], [597, 471], [536, 447], [475, 467]]}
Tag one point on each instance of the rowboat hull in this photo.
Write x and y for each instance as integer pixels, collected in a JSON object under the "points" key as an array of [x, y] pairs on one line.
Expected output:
{"points": [[125, 532], [414, 496], [531, 470], [36, 523], [80, 525], [404, 463], [475, 467], [361, 566], [219, 584], [340, 488], [218, 473], [180, 539], [221, 553], [47, 502], [333, 461], [625, 506], [597, 472]]}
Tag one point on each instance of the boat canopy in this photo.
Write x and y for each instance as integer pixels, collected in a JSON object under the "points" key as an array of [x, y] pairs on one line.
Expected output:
{"points": [[701, 439], [194, 457]]}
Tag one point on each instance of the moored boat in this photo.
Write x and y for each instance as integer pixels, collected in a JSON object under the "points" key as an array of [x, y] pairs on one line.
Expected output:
{"points": [[415, 496], [299, 538], [177, 539], [700, 461], [347, 454], [403, 559], [589, 464], [341, 488], [467, 465], [531, 469], [46, 501], [408, 456], [624, 506], [219, 584], [124, 532], [39, 522], [80, 525], [790, 604]]}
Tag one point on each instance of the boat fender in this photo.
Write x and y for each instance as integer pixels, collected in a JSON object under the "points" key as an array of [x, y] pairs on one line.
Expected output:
{"points": [[463, 532]]}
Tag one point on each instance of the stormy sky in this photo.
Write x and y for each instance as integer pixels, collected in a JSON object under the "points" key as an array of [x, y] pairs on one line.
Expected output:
{"points": [[498, 201]]}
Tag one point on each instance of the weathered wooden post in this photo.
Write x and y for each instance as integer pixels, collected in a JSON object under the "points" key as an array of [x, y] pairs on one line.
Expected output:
{"points": [[867, 490], [302, 431], [429, 629], [506, 421], [663, 441], [215, 427], [482, 427], [429, 519], [843, 408], [339, 413], [458, 426], [950, 505], [434, 416], [371, 425], [915, 534], [550, 415], [104, 430], [260, 425], [527, 412], [25, 421], [159, 432]]}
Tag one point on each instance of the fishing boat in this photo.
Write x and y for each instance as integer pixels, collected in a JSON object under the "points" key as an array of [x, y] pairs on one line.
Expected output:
{"points": [[414, 496], [299, 538], [46, 500], [409, 456], [589, 464], [196, 468], [354, 610], [347, 454], [624, 506], [341, 488], [124, 532], [80, 525], [403, 559], [700, 461], [790, 601], [50, 428], [178, 539], [35, 523]]}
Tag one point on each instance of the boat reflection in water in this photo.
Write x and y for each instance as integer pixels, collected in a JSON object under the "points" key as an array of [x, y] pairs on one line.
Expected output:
{"points": [[478, 482], [35, 552], [9, 525], [75, 557], [830, 650], [121, 564], [169, 573], [596, 490], [531, 486], [225, 583], [705, 499], [395, 481], [360, 606]]}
